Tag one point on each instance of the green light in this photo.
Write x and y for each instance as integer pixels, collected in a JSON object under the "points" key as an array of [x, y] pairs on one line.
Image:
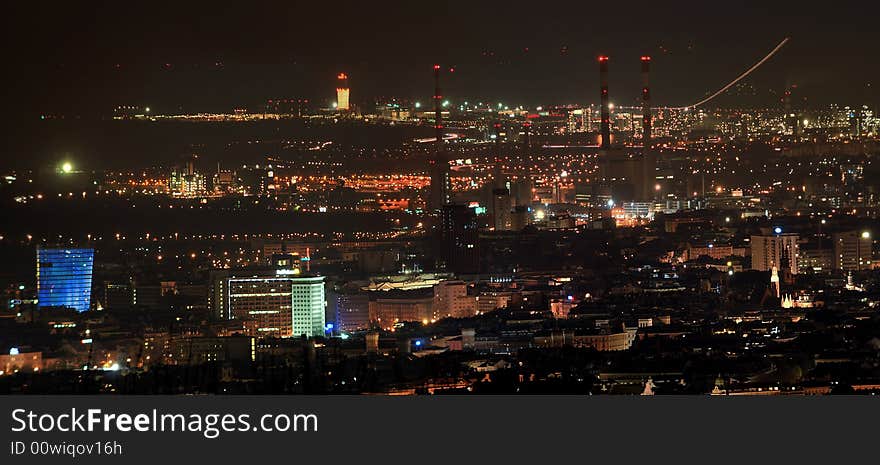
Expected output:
{"points": [[67, 167]]}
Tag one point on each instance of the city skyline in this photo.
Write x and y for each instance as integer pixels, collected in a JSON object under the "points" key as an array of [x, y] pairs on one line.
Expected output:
{"points": [[425, 199]]}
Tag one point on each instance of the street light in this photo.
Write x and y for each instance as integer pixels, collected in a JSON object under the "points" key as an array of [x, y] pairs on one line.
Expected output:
{"points": [[865, 235]]}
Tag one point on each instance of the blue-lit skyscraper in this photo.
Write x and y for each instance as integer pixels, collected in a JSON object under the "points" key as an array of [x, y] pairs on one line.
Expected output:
{"points": [[64, 277]]}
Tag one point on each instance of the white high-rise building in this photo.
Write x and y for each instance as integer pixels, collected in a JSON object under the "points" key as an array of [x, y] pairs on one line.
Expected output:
{"points": [[307, 295], [770, 252]]}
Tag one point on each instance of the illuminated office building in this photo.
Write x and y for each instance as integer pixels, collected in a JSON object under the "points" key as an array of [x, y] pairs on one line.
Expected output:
{"points": [[64, 277], [282, 303], [451, 299], [307, 295], [853, 250], [395, 307]]}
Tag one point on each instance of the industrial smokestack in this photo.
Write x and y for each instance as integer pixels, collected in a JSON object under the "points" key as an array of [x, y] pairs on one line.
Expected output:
{"points": [[646, 102], [496, 174], [438, 102], [527, 130], [439, 165], [605, 128]]}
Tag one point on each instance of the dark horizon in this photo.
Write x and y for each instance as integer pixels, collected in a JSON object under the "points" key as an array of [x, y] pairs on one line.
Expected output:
{"points": [[201, 57]]}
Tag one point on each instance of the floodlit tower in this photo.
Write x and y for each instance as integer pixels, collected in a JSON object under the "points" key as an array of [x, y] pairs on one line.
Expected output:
{"points": [[605, 128], [342, 92]]}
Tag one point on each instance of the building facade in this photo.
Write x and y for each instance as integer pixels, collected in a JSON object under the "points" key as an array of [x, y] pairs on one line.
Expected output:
{"points": [[64, 277], [451, 299], [282, 304], [853, 250], [460, 239], [386, 311], [774, 251], [307, 296], [352, 311]]}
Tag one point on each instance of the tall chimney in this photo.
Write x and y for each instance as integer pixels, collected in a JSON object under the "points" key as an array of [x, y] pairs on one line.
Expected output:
{"points": [[439, 164], [646, 102], [438, 102], [605, 130], [496, 168]]}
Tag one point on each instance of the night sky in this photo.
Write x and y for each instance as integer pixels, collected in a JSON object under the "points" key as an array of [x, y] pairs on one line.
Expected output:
{"points": [[83, 58]]}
